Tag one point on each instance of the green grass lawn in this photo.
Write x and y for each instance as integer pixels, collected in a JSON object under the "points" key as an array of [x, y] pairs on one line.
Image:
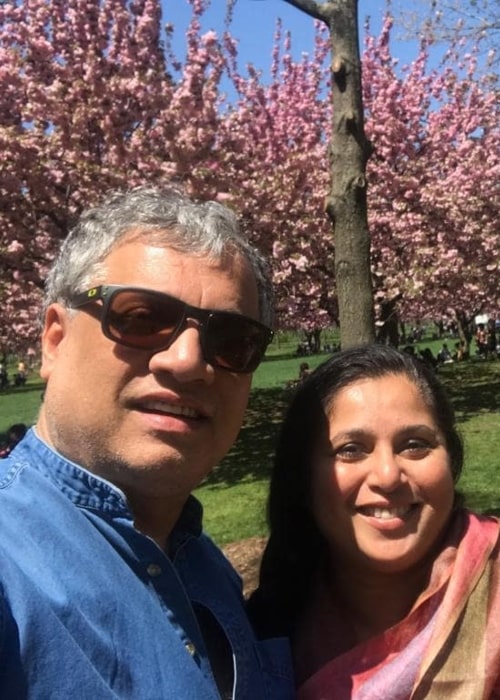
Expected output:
{"points": [[234, 496], [20, 405]]}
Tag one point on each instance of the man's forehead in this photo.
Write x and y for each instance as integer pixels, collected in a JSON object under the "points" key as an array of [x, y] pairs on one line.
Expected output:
{"points": [[229, 258]]}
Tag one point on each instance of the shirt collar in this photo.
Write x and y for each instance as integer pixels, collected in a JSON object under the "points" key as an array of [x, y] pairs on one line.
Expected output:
{"points": [[87, 490]]}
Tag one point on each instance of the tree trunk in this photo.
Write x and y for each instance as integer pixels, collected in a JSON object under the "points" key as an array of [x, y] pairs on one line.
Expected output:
{"points": [[464, 328], [349, 151]]}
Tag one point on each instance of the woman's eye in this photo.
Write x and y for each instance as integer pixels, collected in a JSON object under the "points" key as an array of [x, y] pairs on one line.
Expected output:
{"points": [[416, 448], [350, 451]]}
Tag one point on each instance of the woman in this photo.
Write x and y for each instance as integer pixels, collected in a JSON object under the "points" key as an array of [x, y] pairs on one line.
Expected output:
{"points": [[386, 586]]}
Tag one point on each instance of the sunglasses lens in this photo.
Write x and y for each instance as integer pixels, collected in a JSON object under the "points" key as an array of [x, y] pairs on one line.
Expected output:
{"points": [[149, 321], [234, 342], [143, 320]]}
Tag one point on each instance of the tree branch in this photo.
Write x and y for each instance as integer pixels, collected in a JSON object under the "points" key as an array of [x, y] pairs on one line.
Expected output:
{"points": [[311, 8]]}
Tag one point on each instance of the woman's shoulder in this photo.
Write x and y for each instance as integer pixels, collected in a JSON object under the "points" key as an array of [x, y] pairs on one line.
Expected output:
{"points": [[489, 520], [482, 533]]}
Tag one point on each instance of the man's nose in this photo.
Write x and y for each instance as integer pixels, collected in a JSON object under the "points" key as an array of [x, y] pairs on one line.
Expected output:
{"points": [[184, 356]]}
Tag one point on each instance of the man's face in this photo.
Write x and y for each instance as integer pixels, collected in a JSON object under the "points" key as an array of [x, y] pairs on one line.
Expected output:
{"points": [[153, 423]]}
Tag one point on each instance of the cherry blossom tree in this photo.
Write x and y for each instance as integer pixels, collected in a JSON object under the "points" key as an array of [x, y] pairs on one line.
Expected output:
{"points": [[434, 133], [91, 98], [434, 194], [274, 156]]}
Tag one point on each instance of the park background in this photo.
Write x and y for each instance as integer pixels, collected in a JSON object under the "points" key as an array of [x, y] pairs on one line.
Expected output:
{"points": [[76, 119], [97, 95], [234, 495]]}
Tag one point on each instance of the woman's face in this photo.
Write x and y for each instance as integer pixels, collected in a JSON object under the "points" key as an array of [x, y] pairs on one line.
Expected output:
{"points": [[382, 487]]}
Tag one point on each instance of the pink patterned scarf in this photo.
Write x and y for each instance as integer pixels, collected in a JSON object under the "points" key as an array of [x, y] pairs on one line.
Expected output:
{"points": [[447, 647]]}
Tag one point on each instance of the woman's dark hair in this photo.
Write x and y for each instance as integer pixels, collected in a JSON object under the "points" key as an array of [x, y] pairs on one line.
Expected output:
{"points": [[296, 546]]}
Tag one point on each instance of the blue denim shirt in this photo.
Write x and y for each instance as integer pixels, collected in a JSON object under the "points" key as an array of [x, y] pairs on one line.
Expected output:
{"points": [[92, 609]]}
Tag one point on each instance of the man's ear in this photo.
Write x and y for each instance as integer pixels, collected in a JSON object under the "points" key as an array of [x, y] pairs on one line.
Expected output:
{"points": [[54, 331]]}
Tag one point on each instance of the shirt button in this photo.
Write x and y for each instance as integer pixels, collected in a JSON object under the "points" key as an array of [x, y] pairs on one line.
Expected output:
{"points": [[191, 649], [153, 570]]}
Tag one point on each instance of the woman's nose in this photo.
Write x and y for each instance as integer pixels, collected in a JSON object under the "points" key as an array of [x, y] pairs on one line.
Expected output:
{"points": [[386, 472]]}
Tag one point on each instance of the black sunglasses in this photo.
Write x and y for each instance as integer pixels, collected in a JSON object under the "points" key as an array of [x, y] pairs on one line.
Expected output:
{"points": [[148, 320]]}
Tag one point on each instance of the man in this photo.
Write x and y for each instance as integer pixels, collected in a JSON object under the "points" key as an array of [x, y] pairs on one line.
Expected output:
{"points": [[157, 312]]}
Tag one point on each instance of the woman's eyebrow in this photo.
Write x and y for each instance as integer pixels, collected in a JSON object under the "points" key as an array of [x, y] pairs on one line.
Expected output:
{"points": [[358, 433], [355, 433]]}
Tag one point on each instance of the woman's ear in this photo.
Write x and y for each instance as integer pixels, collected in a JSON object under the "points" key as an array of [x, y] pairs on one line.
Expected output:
{"points": [[53, 334]]}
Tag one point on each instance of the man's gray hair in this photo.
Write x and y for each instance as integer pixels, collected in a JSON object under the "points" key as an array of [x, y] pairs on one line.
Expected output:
{"points": [[159, 215]]}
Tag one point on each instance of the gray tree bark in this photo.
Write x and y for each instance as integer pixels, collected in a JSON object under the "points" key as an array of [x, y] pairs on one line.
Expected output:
{"points": [[346, 203]]}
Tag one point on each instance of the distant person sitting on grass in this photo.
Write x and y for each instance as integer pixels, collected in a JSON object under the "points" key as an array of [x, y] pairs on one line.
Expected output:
{"points": [[15, 434], [157, 312], [444, 355], [4, 377], [21, 375], [491, 342], [460, 353], [427, 357], [304, 371]]}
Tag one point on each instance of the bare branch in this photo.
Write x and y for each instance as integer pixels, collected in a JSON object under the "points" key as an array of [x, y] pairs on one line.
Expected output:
{"points": [[310, 7], [445, 20]]}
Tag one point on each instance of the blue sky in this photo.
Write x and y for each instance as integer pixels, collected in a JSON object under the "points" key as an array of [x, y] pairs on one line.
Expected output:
{"points": [[254, 25]]}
